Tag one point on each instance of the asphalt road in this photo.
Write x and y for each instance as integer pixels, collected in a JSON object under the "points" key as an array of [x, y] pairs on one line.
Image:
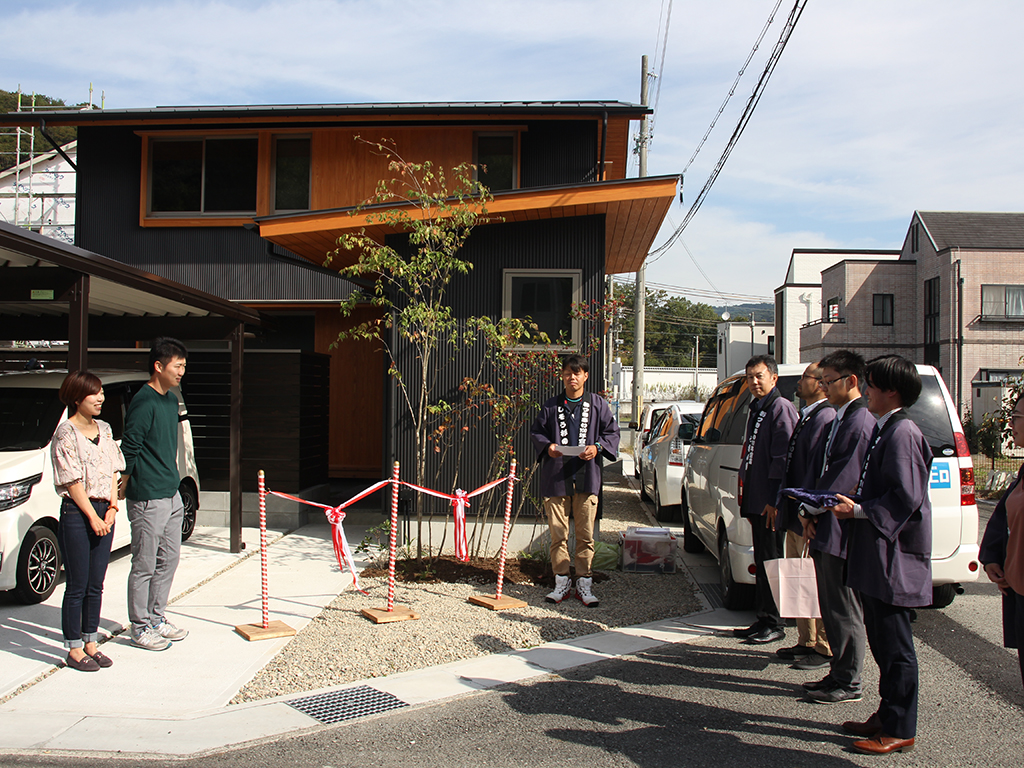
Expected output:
{"points": [[715, 703]]}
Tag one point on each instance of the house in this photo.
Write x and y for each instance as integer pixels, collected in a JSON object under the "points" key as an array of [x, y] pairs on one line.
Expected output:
{"points": [[38, 193], [740, 341], [244, 202], [953, 299], [798, 299]]}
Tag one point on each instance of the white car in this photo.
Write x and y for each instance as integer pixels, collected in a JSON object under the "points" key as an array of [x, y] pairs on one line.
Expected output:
{"points": [[639, 429], [663, 455], [711, 517], [30, 411]]}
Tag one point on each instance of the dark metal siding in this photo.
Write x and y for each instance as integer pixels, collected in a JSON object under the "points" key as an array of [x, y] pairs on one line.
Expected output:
{"points": [[560, 152], [231, 262], [576, 243]]}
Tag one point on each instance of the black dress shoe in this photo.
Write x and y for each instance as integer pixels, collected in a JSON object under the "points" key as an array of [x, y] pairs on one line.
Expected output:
{"points": [[766, 635], [794, 652], [753, 629], [817, 685]]}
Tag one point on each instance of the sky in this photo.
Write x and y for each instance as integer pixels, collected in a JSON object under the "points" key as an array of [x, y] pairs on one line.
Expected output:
{"points": [[877, 108]]}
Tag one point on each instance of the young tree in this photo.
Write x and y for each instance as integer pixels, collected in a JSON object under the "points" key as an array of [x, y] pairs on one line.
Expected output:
{"points": [[437, 211]]}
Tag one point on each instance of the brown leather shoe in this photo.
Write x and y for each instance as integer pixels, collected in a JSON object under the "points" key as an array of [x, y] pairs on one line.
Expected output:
{"points": [[883, 745], [870, 727]]}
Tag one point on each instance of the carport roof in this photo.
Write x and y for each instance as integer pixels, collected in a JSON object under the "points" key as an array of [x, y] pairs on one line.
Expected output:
{"points": [[38, 271]]}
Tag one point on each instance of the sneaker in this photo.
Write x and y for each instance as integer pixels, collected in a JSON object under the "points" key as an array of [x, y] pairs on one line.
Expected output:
{"points": [[813, 660], [170, 632], [766, 635], [794, 652], [563, 586], [834, 694], [150, 640], [584, 587]]}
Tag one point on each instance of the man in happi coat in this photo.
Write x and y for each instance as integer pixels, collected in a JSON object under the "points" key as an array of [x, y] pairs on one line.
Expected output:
{"points": [[571, 432], [889, 551], [770, 424]]}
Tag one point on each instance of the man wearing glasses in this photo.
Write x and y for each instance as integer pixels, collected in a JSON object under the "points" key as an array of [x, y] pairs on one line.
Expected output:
{"points": [[770, 425], [803, 467], [842, 373]]}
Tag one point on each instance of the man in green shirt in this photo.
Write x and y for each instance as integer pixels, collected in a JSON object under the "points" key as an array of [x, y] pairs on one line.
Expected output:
{"points": [[154, 508]]}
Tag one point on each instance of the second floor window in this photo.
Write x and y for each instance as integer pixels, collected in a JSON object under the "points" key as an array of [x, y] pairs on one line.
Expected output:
{"points": [[931, 311], [207, 175], [832, 310], [291, 174], [546, 297], [496, 161], [882, 308], [1002, 302]]}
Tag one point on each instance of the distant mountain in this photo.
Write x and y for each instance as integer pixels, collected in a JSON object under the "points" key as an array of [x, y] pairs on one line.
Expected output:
{"points": [[763, 313]]}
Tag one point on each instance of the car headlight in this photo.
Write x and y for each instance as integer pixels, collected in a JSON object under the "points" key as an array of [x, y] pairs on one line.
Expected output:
{"points": [[13, 494]]}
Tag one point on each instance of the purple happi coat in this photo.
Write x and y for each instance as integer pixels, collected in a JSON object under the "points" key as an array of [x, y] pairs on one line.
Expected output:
{"points": [[600, 429]]}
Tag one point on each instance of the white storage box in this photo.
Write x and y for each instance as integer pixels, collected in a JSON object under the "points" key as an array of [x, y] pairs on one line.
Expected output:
{"points": [[648, 550]]}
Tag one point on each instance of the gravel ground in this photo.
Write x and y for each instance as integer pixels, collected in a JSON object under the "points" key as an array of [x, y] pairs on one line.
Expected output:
{"points": [[341, 646]]}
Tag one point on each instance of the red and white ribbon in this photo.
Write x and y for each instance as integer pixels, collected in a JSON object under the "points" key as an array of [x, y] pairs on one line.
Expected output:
{"points": [[335, 516], [459, 504]]}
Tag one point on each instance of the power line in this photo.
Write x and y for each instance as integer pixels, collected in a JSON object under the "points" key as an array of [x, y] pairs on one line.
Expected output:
{"points": [[703, 292], [748, 111]]}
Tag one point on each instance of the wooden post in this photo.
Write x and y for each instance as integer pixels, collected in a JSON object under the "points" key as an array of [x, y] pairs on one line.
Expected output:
{"points": [[235, 440]]}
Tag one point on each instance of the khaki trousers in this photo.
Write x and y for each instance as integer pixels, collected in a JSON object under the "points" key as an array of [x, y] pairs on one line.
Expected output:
{"points": [[583, 509], [809, 632]]}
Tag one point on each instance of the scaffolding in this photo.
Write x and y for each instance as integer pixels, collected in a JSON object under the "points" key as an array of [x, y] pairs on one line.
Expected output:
{"points": [[38, 191]]}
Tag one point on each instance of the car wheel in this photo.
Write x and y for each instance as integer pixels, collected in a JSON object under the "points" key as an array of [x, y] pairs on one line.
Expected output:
{"points": [[664, 513], [38, 565], [643, 491], [191, 504], [735, 596], [691, 543], [943, 595]]}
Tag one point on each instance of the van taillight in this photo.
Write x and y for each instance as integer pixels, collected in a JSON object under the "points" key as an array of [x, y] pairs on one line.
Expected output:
{"points": [[675, 456], [967, 487], [739, 492], [962, 449]]}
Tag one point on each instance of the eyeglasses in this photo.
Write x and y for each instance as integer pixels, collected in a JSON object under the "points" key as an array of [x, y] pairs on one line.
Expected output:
{"points": [[826, 383]]}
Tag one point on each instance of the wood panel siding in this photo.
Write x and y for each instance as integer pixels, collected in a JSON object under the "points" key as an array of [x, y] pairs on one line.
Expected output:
{"points": [[356, 397]]}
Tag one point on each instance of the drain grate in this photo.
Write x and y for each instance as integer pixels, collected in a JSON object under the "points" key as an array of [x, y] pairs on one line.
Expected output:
{"points": [[347, 704], [713, 593]]}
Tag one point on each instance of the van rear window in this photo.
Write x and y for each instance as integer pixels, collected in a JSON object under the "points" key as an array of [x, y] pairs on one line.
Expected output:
{"points": [[932, 417], [28, 418]]}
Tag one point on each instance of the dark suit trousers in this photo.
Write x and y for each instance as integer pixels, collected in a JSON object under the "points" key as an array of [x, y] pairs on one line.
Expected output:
{"points": [[892, 645], [843, 617], [768, 545]]}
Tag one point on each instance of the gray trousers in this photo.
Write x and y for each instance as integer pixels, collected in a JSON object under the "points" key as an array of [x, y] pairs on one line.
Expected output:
{"points": [[843, 616], [156, 547]]}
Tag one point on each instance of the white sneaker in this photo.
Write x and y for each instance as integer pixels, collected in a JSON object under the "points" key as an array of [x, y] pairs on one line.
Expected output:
{"points": [[170, 632], [563, 586], [584, 587], [150, 640]]}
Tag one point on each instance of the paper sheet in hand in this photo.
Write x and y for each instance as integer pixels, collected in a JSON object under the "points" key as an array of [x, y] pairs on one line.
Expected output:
{"points": [[571, 450]]}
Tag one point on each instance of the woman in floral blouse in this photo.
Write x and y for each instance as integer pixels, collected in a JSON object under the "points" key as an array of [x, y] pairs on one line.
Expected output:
{"points": [[86, 462]]}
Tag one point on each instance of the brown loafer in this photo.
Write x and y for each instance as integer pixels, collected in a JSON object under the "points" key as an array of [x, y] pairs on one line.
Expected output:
{"points": [[87, 664], [883, 745], [102, 659], [870, 727]]}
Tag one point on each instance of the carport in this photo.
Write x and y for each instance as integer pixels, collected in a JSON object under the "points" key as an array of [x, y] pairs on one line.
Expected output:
{"points": [[50, 290]]}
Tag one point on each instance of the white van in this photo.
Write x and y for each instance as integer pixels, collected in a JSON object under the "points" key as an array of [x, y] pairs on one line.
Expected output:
{"points": [[710, 511], [29, 506], [663, 456]]}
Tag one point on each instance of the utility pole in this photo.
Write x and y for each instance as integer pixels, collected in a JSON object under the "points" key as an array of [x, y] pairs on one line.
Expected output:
{"points": [[696, 364], [640, 300]]}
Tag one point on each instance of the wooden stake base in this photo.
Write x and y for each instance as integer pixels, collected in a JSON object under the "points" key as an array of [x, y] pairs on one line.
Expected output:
{"points": [[258, 632], [384, 616], [496, 603]]}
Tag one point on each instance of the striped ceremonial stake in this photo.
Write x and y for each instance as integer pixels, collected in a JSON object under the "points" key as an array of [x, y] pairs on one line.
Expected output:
{"points": [[497, 601], [504, 530], [393, 547], [392, 612], [268, 629]]}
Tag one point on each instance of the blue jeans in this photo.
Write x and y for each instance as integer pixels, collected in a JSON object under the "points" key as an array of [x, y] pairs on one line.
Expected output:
{"points": [[85, 566]]}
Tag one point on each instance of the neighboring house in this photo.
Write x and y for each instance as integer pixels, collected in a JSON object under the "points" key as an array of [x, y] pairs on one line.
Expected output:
{"points": [[39, 194], [738, 342], [798, 301], [954, 299], [245, 202]]}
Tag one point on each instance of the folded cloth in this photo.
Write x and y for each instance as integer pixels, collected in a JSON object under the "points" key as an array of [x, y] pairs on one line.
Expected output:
{"points": [[816, 500]]}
